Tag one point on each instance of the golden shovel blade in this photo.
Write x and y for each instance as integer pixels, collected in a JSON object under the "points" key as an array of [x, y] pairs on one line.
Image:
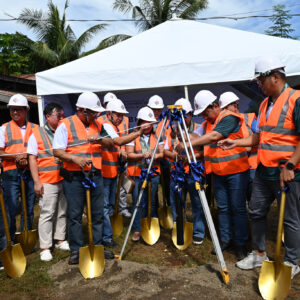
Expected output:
{"points": [[27, 240], [116, 221], [187, 235], [91, 261], [165, 217], [274, 280], [150, 234], [13, 260]]}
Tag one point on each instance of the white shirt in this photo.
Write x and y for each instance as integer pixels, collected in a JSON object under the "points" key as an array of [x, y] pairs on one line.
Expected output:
{"points": [[199, 130], [2, 135], [60, 140], [32, 147]]}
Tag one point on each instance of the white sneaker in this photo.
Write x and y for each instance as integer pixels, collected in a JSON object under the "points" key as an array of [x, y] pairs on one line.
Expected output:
{"points": [[126, 213], [46, 255], [252, 261], [295, 268], [63, 246]]}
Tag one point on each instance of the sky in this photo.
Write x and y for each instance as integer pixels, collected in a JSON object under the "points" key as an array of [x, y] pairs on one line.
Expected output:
{"points": [[102, 9]]}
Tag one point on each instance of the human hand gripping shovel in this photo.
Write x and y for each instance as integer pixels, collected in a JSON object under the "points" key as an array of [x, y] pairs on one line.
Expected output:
{"points": [[91, 257], [12, 257], [27, 238], [275, 278]]}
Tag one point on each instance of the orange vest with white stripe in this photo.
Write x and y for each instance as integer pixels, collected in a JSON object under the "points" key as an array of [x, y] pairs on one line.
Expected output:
{"points": [[48, 167], [165, 130], [134, 168], [14, 142], [225, 162], [278, 137], [252, 157], [78, 144], [123, 127]]}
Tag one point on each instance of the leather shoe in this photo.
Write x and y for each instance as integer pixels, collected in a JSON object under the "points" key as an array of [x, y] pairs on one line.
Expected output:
{"points": [[112, 244], [240, 252], [108, 254], [74, 258], [224, 246]]}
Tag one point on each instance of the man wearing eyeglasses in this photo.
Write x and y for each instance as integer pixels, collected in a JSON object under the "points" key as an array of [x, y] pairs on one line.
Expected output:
{"points": [[278, 139], [14, 137]]}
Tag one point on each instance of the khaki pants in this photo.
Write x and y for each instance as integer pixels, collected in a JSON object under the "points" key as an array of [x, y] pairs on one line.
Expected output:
{"points": [[52, 221]]}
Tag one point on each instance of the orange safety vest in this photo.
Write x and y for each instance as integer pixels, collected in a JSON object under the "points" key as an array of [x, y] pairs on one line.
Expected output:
{"points": [[278, 137], [48, 166], [172, 143], [252, 157], [78, 144], [224, 162], [14, 142], [110, 158], [134, 168], [165, 130], [123, 127]]}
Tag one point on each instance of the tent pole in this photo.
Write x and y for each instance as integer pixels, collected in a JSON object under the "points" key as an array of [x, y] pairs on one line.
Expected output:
{"points": [[186, 93], [40, 110]]}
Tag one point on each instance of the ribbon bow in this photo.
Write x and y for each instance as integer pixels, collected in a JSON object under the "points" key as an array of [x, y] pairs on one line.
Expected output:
{"points": [[88, 183], [178, 175], [144, 175], [176, 116], [197, 171], [163, 115]]}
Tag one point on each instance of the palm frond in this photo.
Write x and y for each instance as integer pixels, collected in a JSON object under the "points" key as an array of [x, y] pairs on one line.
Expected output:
{"points": [[41, 50], [124, 6], [193, 9]]}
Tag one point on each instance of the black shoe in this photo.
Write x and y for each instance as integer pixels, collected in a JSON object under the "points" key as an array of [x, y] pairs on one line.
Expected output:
{"points": [[224, 246], [240, 252], [197, 240], [74, 258], [112, 244], [1, 266], [108, 254]]}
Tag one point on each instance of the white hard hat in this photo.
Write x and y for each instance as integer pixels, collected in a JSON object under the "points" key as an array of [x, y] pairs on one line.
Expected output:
{"points": [[266, 64], [156, 102], [18, 100], [227, 98], [91, 101], [146, 114], [108, 97], [186, 104], [203, 99], [116, 106]]}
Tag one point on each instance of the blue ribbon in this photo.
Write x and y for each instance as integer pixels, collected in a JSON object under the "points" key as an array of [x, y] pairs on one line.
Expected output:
{"points": [[286, 189], [122, 167], [88, 183], [153, 172], [163, 115], [176, 116], [22, 175], [197, 171], [178, 175]]}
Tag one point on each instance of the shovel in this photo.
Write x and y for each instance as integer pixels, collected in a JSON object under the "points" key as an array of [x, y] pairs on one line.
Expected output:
{"points": [[13, 258], [275, 278], [116, 220], [165, 212], [182, 233], [27, 238], [150, 230], [91, 257]]}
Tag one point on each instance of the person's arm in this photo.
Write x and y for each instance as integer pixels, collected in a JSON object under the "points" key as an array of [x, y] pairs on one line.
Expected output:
{"points": [[170, 154], [38, 186], [250, 141], [160, 152], [132, 156], [68, 157]]}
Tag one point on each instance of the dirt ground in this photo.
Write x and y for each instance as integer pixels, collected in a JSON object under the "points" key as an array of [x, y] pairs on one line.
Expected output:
{"points": [[146, 272]]}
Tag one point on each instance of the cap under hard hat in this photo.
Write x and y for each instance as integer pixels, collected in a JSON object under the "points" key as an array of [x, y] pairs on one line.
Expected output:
{"points": [[18, 100], [203, 99], [266, 64], [146, 114], [108, 97], [116, 106], [156, 102], [227, 98], [186, 104], [90, 101]]}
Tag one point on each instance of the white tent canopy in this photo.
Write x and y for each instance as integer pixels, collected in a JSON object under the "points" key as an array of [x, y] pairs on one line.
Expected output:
{"points": [[175, 53]]}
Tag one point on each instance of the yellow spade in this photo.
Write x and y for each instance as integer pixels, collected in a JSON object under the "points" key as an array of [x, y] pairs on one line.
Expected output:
{"points": [[13, 258], [27, 238], [91, 257], [275, 278], [116, 219], [150, 230]]}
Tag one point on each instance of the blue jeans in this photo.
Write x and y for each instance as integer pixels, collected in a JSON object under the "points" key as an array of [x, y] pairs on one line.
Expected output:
{"points": [[11, 192], [136, 227], [230, 194], [76, 199], [109, 190], [2, 232], [198, 215]]}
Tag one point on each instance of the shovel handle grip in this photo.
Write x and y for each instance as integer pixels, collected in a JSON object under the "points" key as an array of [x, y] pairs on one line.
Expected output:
{"points": [[4, 217]]}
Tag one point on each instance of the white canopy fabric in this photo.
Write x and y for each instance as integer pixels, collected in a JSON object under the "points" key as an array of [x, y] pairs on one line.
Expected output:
{"points": [[175, 53]]}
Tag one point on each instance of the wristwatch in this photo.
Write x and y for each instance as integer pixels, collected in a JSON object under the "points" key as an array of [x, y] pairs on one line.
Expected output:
{"points": [[290, 166]]}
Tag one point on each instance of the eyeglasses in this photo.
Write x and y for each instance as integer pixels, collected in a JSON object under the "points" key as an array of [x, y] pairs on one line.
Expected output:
{"points": [[16, 109]]}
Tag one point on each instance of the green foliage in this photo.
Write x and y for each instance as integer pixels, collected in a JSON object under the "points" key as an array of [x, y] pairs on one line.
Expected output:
{"points": [[280, 27], [150, 13]]}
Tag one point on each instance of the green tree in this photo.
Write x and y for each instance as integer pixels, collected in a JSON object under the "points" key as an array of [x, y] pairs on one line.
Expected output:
{"points": [[57, 43], [280, 19], [150, 13]]}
